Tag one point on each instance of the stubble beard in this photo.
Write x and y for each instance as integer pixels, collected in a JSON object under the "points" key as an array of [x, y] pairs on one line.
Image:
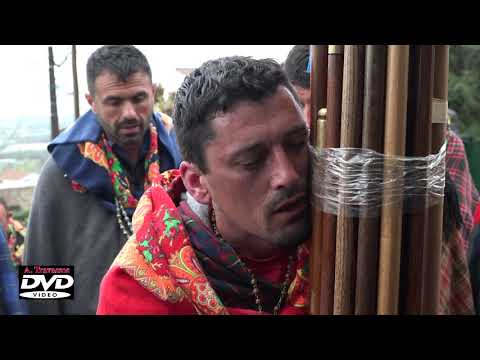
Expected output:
{"points": [[113, 132], [294, 234]]}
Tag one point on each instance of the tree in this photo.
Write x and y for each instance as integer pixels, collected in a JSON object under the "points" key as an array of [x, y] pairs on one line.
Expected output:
{"points": [[76, 105], [464, 88], [162, 105], [53, 96]]}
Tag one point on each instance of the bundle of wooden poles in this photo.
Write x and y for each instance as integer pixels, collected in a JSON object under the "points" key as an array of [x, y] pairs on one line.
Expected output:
{"points": [[390, 99]]}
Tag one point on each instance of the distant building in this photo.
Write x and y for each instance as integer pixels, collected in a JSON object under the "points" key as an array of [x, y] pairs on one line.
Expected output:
{"points": [[12, 174], [19, 192], [29, 180], [16, 148]]}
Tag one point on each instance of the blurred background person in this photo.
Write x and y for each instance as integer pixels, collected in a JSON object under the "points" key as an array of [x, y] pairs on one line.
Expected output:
{"points": [[10, 304], [296, 66], [14, 232]]}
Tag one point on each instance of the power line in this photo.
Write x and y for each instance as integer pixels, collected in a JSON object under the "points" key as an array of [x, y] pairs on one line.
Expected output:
{"points": [[63, 62]]}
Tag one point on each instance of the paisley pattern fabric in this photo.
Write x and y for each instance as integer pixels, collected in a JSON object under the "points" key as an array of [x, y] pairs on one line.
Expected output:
{"points": [[226, 273], [101, 153], [161, 258]]}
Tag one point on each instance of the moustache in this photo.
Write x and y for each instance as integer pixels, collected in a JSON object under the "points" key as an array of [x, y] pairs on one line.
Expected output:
{"points": [[129, 123], [280, 197]]}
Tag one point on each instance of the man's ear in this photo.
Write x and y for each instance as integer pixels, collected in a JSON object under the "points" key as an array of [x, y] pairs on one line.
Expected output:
{"points": [[194, 182], [91, 102]]}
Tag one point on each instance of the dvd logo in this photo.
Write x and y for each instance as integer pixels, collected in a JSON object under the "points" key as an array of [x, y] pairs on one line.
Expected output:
{"points": [[48, 286]]}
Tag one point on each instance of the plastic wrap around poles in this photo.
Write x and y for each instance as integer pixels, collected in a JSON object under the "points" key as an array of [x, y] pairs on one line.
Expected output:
{"points": [[372, 138], [318, 86], [433, 245], [332, 140], [418, 144], [350, 136], [391, 222]]}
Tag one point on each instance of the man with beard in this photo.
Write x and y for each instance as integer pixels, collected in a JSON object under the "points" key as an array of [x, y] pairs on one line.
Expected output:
{"points": [[98, 170], [225, 234]]}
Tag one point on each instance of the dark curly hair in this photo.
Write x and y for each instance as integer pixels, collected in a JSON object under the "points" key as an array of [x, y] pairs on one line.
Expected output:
{"points": [[214, 88], [121, 60], [296, 66]]}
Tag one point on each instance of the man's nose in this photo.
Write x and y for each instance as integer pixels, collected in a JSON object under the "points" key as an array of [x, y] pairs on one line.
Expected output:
{"points": [[129, 110], [284, 172]]}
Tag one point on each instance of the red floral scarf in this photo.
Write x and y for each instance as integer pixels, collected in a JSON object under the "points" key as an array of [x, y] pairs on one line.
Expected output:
{"points": [[101, 153], [161, 258]]}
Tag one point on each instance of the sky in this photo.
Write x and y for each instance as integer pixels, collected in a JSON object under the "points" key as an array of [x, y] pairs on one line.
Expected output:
{"points": [[24, 77]]}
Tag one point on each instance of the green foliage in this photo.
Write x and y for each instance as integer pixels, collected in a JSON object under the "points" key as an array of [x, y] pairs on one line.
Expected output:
{"points": [[162, 105], [21, 215], [464, 88]]}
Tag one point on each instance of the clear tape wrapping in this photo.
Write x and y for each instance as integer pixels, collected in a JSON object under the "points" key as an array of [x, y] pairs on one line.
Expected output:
{"points": [[362, 181]]}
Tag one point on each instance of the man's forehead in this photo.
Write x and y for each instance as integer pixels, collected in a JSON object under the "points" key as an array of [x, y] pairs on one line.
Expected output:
{"points": [[259, 141], [249, 123], [108, 78], [282, 101]]}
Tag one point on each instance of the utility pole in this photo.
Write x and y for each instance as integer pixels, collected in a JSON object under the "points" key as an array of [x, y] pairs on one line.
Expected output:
{"points": [[53, 97], [75, 82]]}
